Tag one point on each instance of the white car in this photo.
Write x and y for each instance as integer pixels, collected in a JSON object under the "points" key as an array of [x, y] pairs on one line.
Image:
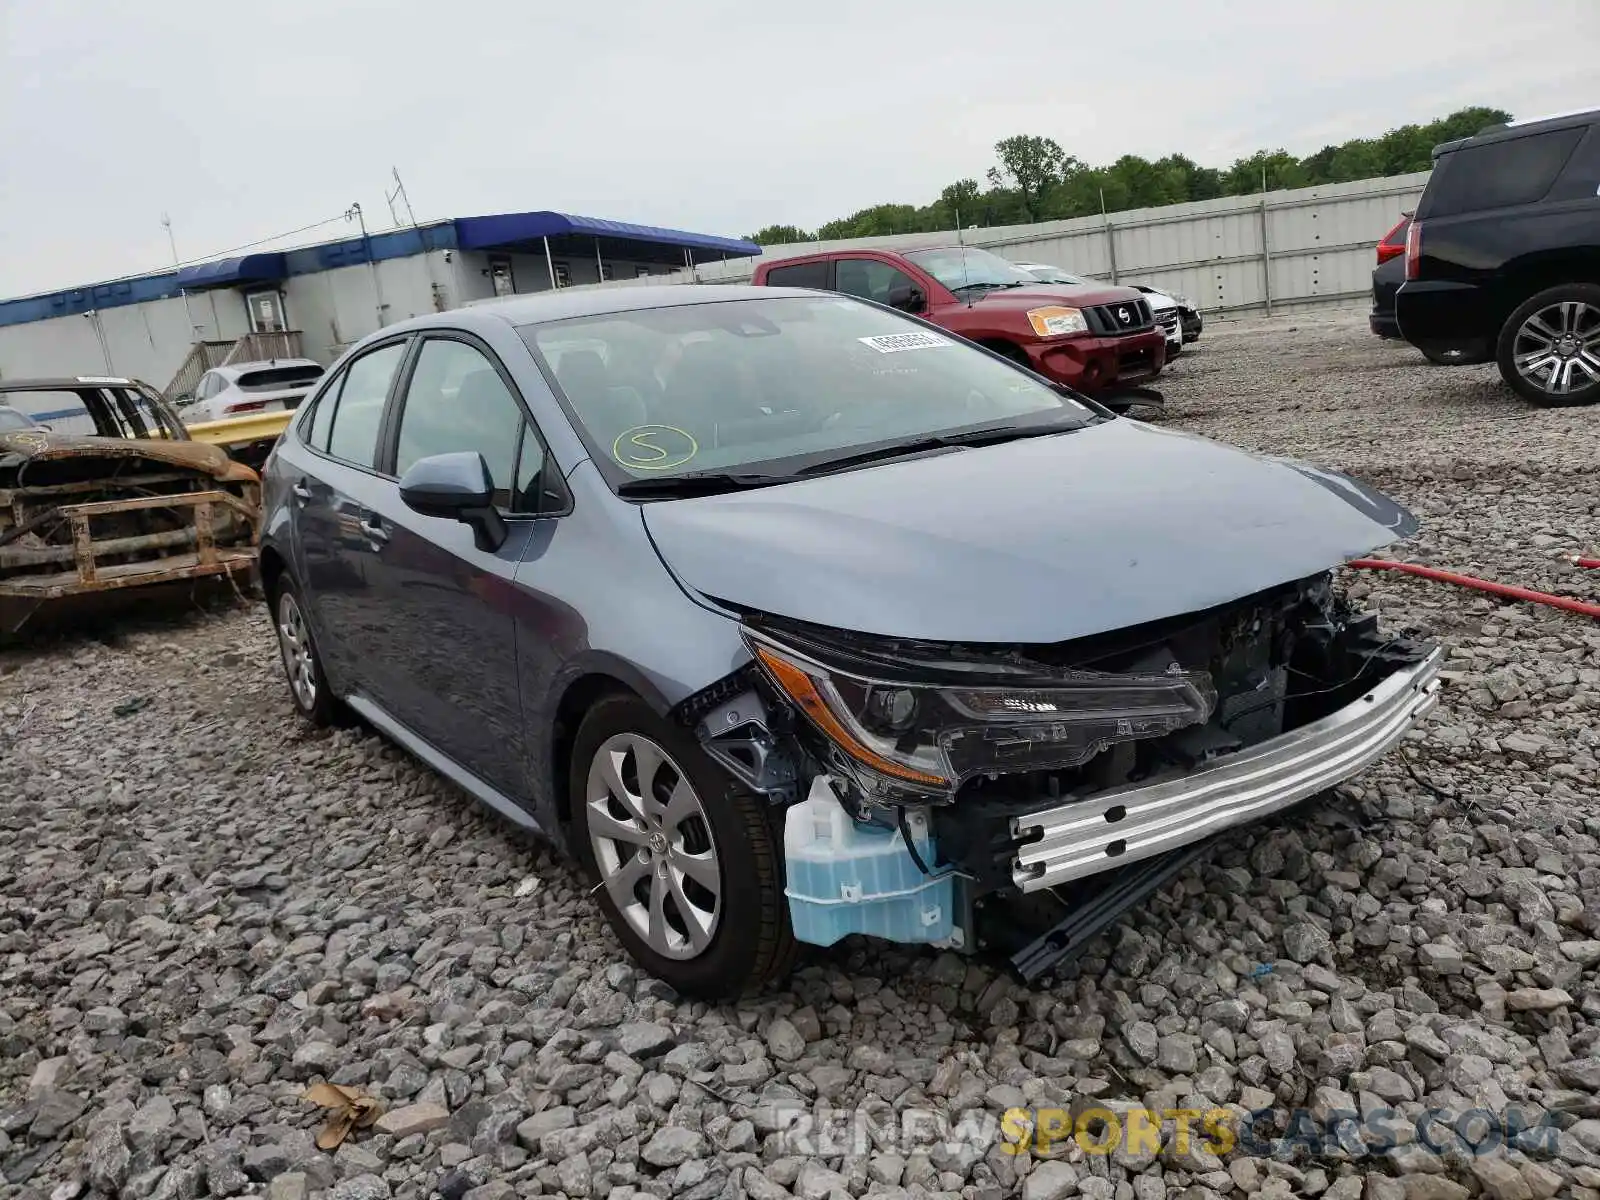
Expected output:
{"points": [[251, 387], [1165, 308]]}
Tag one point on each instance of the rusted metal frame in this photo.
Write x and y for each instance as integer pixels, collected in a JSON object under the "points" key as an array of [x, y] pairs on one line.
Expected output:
{"points": [[205, 541], [11, 495], [11, 559]]}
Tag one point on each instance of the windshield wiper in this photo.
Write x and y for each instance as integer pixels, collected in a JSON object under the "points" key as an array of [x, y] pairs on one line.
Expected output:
{"points": [[986, 283], [698, 483], [989, 435]]}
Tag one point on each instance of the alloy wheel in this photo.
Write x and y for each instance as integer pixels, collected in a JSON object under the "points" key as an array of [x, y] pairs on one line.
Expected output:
{"points": [[1557, 349], [294, 640], [653, 846]]}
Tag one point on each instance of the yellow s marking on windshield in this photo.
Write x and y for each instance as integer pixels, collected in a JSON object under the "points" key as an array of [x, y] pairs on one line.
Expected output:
{"points": [[654, 447]]}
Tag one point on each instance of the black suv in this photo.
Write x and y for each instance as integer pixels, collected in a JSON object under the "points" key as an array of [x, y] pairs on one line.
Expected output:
{"points": [[1503, 257]]}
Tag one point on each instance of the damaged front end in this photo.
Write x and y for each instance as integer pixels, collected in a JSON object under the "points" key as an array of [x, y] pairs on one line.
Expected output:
{"points": [[961, 795], [87, 517]]}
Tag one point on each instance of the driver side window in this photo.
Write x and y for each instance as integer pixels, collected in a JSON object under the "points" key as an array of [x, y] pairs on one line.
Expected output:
{"points": [[869, 278], [456, 401]]}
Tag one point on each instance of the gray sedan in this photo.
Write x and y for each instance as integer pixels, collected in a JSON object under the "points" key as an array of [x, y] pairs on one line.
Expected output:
{"points": [[794, 617]]}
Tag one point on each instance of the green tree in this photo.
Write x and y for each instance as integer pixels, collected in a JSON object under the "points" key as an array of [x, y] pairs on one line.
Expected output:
{"points": [[961, 198], [1278, 168], [1028, 166], [778, 235], [1035, 180]]}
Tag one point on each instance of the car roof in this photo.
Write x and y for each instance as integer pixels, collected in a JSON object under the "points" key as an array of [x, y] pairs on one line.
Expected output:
{"points": [[62, 383], [1517, 129], [539, 308]]}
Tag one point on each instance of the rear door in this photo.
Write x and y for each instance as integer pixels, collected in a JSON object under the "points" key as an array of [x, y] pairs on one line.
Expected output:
{"points": [[334, 497], [448, 606]]}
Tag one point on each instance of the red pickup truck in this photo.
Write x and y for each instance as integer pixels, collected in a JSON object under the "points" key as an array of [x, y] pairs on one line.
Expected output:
{"points": [[1097, 339]]}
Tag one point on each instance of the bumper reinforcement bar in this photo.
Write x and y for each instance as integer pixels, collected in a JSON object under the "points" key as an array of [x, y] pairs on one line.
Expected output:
{"points": [[1124, 889], [1109, 829]]}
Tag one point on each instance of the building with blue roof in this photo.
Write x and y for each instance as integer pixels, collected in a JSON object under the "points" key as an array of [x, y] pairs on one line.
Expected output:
{"points": [[312, 301]]}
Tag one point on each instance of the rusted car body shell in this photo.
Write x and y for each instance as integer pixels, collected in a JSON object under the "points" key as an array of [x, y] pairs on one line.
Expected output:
{"points": [[149, 511]]}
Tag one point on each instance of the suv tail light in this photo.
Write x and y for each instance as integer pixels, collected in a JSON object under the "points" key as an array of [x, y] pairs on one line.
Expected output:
{"points": [[1413, 249], [255, 406], [1393, 243]]}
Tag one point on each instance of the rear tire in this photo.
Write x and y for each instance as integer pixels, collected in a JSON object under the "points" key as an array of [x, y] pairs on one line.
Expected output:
{"points": [[302, 662], [1549, 348], [689, 869]]}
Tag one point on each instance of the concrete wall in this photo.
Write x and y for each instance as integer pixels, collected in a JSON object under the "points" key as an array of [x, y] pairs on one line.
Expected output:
{"points": [[147, 341], [1280, 250], [331, 309]]}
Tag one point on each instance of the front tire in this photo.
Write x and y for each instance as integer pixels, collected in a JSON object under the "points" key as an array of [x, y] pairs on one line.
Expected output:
{"points": [[689, 870], [1549, 348], [302, 663]]}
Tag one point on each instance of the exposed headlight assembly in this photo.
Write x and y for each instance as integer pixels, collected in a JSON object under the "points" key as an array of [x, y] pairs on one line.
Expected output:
{"points": [[899, 735], [1056, 320]]}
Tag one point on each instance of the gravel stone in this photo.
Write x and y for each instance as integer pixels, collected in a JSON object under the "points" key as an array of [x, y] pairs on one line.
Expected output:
{"points": [[673, 1144]]}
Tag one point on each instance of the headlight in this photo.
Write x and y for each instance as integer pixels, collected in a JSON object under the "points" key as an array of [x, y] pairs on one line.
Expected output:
{"points": [[930, 738], [1056, 320]]}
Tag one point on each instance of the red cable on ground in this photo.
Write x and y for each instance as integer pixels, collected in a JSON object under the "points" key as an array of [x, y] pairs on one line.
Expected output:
{"points": [[1578, 560], [1581, 607]]}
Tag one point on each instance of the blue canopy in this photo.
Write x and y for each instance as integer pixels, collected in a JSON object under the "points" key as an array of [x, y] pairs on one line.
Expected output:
{"points": [[231, 272], [480, 233]]}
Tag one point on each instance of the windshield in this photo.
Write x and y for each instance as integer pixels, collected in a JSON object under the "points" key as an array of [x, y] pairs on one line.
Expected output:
{"points": [[10, 418], [773, 385], [959, 267]]}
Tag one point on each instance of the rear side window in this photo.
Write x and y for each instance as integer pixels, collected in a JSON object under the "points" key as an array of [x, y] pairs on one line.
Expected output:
{"points": [[1500, 174], [359, 412], [806, 275]]}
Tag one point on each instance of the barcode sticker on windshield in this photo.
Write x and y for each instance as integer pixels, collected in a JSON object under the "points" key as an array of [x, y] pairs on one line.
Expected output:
{"points": [[889, 343]]}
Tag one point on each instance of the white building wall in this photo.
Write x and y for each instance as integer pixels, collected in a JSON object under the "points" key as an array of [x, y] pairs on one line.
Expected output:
{"points": [[147, 341], [331, 309]]}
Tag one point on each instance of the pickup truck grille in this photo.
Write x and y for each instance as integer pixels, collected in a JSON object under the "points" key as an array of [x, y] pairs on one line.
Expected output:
{"points": [[1131, 316], [1169, 321]]}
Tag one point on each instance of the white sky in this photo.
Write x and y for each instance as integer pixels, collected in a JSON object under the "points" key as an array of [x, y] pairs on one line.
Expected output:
{"points": [[720, 116]]}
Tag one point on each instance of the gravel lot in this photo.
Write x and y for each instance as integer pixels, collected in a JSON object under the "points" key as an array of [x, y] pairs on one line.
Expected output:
{"points": [[205, 907]]}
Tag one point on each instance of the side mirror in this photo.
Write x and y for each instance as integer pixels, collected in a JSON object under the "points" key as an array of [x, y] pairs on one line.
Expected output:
{"points": [[907, 297], [457, 487]]}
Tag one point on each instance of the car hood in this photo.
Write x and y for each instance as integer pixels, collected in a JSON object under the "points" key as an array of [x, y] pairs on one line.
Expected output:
{"points": [[1034, 295], [1040, 540]]}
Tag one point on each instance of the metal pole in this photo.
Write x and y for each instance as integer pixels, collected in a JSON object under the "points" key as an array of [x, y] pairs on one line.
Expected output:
{"points": [[1266, 252], [1111, 236], [599, 267], [166, 222], [549, 264], [377, 286]]}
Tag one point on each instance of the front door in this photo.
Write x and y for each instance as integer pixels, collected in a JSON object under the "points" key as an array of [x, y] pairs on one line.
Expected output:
{"points": [[266, 312], [448, 605], [335, 492]]}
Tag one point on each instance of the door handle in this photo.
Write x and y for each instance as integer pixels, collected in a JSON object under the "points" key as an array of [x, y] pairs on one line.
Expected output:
{"points": [[373, 528], [301, 492]]}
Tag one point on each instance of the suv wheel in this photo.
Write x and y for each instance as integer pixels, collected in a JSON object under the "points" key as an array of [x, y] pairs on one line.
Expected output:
{"points": [[302, 665], [1549, 349], [688, 866]]}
